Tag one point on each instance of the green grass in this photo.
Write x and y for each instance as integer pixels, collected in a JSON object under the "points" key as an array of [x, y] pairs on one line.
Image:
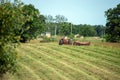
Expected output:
{"points": [[49, 61]]}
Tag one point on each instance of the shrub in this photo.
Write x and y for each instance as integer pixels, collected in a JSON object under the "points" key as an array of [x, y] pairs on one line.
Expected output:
{"points": [[7, 59], [11, 21]]}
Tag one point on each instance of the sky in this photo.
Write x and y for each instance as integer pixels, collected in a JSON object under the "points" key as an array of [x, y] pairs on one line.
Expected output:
{"points": [[76, 11]]}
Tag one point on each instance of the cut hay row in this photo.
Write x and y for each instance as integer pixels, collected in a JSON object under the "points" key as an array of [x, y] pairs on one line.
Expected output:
{"points": [[83, 53], [83, 65], [53, 62], [96, 55], [42, 67], [90, 54], [89, 57], [30, 71]]}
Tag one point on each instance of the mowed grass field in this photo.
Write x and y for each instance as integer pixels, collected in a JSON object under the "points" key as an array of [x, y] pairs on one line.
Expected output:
{"points": [[50, 61]]}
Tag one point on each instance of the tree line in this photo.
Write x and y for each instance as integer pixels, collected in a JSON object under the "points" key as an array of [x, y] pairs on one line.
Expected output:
{"points": [[60, 26]]}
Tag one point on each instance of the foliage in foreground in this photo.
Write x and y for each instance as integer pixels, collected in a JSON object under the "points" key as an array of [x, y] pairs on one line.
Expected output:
{"points": [[10, 22], [8, 57]]}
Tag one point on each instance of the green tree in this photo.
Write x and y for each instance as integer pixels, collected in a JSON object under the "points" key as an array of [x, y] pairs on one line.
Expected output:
{"points": [[49, 23], [87, 30], [64, 29], [100, 29], [34, 24], [11, 21], [113, 24], [60, 20]]}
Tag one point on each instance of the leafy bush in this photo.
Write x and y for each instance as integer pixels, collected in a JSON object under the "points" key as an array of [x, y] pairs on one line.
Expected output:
{"points": [[10, 24], [110, 38], [8, 57]]}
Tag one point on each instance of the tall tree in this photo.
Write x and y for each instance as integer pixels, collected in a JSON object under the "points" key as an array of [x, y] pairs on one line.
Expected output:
{"points": [[60, 20], [113, 24], [100, 29], [11, 21], [65, 29], [50, 23], [86, 30], [34, 23]]}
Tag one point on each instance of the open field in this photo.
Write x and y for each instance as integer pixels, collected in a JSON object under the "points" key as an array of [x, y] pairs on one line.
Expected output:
{"points": [[49, 61]]}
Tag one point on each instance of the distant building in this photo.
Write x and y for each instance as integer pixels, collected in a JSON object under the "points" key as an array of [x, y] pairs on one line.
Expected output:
{"points": [[82, 37], [77, 36], [47, 34]]}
